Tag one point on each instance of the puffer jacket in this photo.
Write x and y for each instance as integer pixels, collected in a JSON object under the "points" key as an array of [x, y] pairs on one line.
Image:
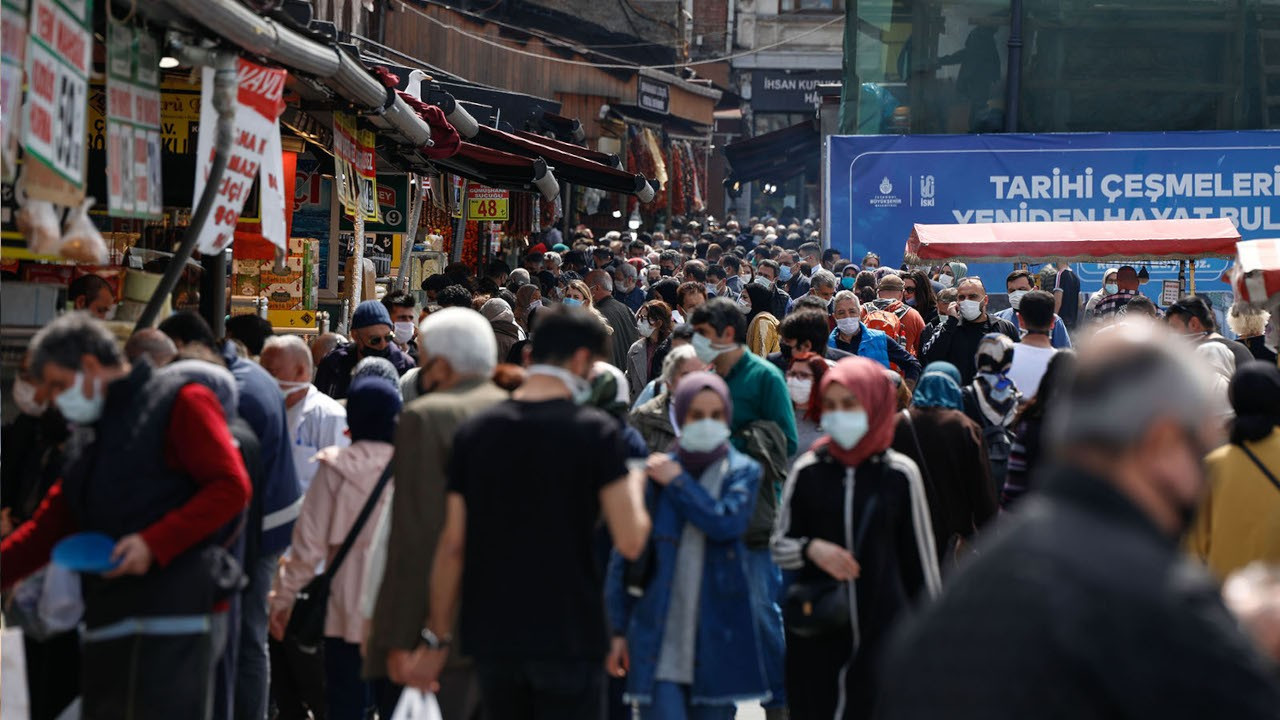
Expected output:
{"points": [[653, 421]]}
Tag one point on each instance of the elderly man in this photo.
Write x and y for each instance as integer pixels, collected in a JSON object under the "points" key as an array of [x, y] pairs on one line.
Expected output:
{"points": [[957, 338], [316, 421], [1085, 607], [822, 285], [620, 318], [323, 345], [780, 302], [371, 337], [150, 342], [626, 286], [458, 357], [853, 336], [889, 298]]}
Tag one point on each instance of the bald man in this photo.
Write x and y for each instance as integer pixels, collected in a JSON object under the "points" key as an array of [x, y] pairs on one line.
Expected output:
{"points": [[323, 345], [153, 344], [316, 421], [619, 316]]}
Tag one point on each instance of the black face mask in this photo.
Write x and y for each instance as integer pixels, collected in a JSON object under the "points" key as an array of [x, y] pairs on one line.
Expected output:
{"points": [[382, 352], [786, 352], [667, 272]]}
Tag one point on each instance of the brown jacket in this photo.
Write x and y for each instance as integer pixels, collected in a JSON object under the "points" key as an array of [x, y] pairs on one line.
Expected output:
{"points": [[424, 438]]}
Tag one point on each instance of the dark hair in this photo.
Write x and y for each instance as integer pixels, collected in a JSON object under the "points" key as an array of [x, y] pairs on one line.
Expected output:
{"points": [[696, 270], [559, 331], [730, 260], [718, 272], [251, 330], [925, 297], [670, 256], [435, 283], [700, 248], [809, 248], [761, 300], [772, 265], [497, 267], [87, 287], [69, 338], [666, 290], [659, 316], [721, 313], [187, 328], [1036, 310], [1193, 306], [454, 296], [400, 298], [810, 302], [1141, 304], [1020, 274], [806, 324], [1055, 376], [683, 331], [687, 289], [829, 254]]}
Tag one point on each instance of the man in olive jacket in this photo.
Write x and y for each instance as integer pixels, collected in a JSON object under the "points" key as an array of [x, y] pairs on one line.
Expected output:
{"points": [[458, 352]]}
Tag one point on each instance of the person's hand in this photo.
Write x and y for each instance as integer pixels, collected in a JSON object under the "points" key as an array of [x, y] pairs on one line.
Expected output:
{"points": [[6, 522], [954, 310], [425, 667], [278, 621], [132, 557], [618, 662], [833, 559], [399, 663], [662, 468]]}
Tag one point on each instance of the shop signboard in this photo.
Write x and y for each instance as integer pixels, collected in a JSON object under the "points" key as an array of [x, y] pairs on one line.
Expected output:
{"points": [[653, 95], [488, 204], [878, 186], [13, 46], [393, 206], [354, 148], [58, 61], [788, 91], [133, 124], [255, 150]]}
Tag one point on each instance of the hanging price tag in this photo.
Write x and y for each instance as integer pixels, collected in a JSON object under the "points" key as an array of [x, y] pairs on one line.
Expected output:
{"points": [[487, 204]]}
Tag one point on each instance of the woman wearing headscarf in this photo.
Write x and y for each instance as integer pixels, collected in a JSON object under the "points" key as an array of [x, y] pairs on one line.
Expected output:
{"points": [[528, 299], [804, 375], [1109, 287], [763, 337], [1025, 454], [684, 633], [947, 447], [343, 483], [991, 401], [653, 323], [853, 527], [1239, 521], [950, 273], [505, 328]]}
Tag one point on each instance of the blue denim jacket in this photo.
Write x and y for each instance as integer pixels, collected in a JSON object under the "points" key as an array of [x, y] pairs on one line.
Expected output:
{"points": [[729, 666]]}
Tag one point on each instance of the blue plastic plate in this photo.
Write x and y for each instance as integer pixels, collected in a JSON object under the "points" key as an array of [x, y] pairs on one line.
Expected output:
{"points": [[85, 552]]}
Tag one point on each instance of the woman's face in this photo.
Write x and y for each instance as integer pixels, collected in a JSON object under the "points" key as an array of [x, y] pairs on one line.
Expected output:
{"points": [[800, 370], [837, 397], [706, 405], [850, 271], [573, 292], [690, 365]]}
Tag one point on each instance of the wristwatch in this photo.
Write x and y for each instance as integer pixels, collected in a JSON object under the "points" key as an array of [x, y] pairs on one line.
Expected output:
{"points": [[433, 641]]}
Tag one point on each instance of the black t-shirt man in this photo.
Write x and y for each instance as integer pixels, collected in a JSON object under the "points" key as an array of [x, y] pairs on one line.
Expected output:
{"points": [[956, 341], [1068, 285]]}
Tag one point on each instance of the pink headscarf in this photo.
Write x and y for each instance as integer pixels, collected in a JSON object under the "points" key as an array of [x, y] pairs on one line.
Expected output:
{"points": [[867, 381]]}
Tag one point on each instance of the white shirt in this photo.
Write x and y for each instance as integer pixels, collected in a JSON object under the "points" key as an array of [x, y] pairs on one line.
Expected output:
{"points": [[1029, 364], [315, 423]]}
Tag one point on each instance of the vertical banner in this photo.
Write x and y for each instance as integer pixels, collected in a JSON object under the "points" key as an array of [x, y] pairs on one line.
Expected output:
{"points": [[133, 124], [58, 61], [355, 149], [256, 148], [13, 46]]}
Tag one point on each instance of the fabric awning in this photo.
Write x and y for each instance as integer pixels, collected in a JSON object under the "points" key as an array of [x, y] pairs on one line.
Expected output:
{"points": [[501, 170], [569, 166], [1074, 241], [1256, 275], [779, 155]]}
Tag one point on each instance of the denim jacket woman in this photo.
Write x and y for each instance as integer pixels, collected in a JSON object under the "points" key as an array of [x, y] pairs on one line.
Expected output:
{"points": [[689, 639]]}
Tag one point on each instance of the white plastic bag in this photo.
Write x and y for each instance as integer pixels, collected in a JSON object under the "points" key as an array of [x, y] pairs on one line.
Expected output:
{"points": [[61, 604], [14, 703], [38, 221], [415, 705], [81, 241]]}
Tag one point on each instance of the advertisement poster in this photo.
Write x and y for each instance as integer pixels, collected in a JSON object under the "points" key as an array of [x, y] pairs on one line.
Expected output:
{"points": [[134, 188], [58, 61], [256, 149], [13, 46], [392, 192], [354, 148], [878, 186]]}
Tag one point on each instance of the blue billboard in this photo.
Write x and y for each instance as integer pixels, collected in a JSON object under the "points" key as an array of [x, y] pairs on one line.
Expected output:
{"points": [[878, 186]]}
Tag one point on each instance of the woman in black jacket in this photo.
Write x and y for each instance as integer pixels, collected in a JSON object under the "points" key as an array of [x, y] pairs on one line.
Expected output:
{"points": [[854, 528]]}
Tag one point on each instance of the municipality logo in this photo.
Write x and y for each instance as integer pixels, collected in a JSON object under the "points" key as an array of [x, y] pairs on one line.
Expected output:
{"points": [[927, 191], [886, 198]]}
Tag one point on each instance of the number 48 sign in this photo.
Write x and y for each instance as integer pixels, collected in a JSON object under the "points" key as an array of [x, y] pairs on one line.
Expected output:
{"points": [[487, 204]]}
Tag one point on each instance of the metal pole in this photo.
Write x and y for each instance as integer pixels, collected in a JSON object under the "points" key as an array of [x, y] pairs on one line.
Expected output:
{"points": [[460, 228], [224, 100], [1013, 81]]}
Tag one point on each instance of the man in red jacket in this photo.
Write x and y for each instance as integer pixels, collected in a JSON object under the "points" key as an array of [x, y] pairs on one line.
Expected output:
{"points": [[155, 468]]}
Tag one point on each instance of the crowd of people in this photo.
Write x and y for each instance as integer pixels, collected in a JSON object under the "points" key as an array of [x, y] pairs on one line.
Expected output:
{"points": [[659, 476]]}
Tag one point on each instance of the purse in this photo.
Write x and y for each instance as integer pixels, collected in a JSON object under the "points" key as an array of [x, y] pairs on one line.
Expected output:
{"points": [[305, 631], [813, 609]]}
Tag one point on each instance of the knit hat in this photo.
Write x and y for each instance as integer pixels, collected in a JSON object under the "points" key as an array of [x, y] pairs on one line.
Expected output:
{"points": [[372, 406], [370, 312]]}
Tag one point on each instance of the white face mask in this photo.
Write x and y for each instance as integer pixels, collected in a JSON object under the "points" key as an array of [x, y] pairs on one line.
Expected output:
{"points": [[644, 328], [1015, 298], [578, 386], [703, 435], [945, 280], [800, 389], [111, 313], [849, 326], [970, 309], [706, 350], [846, 427], [404, 332], [711, 289], [744, 302], [289, 388], [24, 395], [76, 406]]}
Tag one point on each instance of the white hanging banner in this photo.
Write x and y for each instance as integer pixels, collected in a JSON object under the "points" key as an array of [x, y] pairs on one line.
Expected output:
{"points": [[255, 149], [133, 124], [58, 61]]}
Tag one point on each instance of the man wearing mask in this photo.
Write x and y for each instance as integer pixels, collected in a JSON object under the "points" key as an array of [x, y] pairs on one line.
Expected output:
{"points": [[668, 262], [402, 307], [371, 336], [822, 285], [1018, 284], [619, 316], [768, 277], [92, 294], [459, 354], [161, 476], [1117, 295], [316, 421], [732, 265], [1193, 317], [1086, 607], [542, 653], [626, 286], [853, 336], [795, 283], [957, 337], [889, 298], [804, 331]]}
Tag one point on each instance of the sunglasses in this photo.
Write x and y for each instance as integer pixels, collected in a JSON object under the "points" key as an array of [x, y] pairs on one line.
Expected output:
{"points": [[377, 341], [909, 289]]}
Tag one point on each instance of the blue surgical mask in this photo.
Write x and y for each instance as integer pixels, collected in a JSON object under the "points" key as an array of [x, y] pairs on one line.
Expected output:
{"points": [[703, 435], [1111, 288], [846, 427], [846, 282], [706, 350], [76, 406], [572, 302], [578, 386], [784, 273]]}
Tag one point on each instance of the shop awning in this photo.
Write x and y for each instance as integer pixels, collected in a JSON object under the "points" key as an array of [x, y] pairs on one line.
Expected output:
{"points": [[1075, 241], [672, 125], [1256, 276], [779, 155], [569, 166], [501, 170]]}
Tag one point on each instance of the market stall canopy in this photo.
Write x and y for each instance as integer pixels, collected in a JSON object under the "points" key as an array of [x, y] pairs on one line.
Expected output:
{"points": [[1256, 276], [569, 165], [779, 155], [1074, 241], [501, 170]]}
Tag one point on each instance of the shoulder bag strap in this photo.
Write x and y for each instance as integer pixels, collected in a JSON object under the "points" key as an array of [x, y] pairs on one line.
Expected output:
{"points": [[1269, 475], [361, 519]]}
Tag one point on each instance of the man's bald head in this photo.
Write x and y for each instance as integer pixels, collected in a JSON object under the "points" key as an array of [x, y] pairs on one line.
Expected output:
{"points": [[153, 344], [324, 345], [287, 358], [600, 282]]}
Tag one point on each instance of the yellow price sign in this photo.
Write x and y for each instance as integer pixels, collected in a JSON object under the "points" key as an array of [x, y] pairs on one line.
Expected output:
{"points": [[488, 205]]}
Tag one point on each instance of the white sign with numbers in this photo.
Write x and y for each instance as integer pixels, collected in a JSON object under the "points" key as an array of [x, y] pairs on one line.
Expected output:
{"points": [[58, 63]]}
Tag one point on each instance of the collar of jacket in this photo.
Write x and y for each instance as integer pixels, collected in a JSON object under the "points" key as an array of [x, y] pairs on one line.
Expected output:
{"points": [[1096, 495]]}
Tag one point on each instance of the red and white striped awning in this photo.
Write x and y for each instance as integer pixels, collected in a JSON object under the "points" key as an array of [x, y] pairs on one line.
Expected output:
{"points": [[1256, 276]]}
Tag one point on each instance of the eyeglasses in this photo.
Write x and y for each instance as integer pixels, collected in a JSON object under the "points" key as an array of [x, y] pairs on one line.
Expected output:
{"points": [[378, 340], [909, 289]]}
